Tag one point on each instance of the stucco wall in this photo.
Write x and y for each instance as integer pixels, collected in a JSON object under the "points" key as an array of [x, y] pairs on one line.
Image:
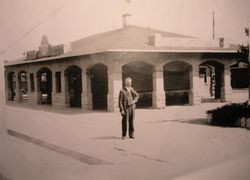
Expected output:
{"points": [[115, 61]]}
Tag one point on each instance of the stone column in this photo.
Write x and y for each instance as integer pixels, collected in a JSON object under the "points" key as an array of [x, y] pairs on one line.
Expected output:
{"points": [[55, 98], [62, 95], [58, 98], [194, 93], [86, 90], [32, 94], [65, 88], [158, 95], [114, 87], [53, 76], [226, 89], [28, 84]]}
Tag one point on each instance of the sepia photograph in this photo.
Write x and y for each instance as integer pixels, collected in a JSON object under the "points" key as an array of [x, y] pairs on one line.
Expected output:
{"points": [[124, 90]]}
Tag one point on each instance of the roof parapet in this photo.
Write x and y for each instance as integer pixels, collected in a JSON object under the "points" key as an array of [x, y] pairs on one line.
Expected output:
{"points": [[48, 50], [157, 40], [67, 47]]}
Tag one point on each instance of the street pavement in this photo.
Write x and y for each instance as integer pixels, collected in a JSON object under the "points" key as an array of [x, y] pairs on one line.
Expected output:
{"points": [[41, 143]]}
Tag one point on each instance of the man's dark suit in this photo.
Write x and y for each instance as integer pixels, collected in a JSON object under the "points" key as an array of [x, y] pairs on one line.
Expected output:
{"points": [[127, 100]]}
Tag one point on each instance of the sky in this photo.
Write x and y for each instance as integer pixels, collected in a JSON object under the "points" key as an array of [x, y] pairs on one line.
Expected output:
{"points": [[24, 22]]}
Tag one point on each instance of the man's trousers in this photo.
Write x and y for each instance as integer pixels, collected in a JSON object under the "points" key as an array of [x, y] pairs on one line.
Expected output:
{"points": [[128, 118]]}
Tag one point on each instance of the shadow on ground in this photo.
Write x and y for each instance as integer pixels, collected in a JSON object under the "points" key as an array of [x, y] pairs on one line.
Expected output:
{"points": [[198, 121], [49, 108], [108, 138]]}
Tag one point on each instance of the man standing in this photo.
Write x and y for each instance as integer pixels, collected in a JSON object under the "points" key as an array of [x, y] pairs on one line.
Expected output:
{"points": [[128, 97]]}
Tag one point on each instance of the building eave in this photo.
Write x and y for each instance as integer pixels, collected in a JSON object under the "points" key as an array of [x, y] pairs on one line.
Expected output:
{"points": [[64, 56], [174, 51]]}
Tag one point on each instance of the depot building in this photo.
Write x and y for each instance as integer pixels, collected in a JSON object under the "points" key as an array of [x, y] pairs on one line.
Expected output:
{"points": [[166, 69]]}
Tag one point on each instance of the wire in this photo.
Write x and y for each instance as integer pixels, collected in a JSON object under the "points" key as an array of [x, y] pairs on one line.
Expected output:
{"points": [[33, 28]]}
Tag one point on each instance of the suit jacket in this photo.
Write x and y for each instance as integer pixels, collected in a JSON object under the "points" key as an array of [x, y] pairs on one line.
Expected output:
{"points": [[124, 100]]}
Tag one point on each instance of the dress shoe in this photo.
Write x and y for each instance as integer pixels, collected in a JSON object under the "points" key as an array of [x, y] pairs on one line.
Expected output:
{"points": [[132, 137]]}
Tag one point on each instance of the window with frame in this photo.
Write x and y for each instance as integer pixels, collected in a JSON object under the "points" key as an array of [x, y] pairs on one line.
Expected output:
{"points": [[203, 74]]}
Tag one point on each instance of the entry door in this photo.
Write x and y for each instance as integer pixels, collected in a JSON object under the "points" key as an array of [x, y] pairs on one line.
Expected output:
{"points": [[75, 90], [218, 78], [46, 88], [99, 90]]}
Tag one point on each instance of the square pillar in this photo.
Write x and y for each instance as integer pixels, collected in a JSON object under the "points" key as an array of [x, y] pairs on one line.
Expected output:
{"points": [[65, 89], [32, 94], [54, 93], [58, 98], [62, 95], [226, 89], [158, 95], [86, 90], [28, 84], [114, 87], [194, 93], [38, 92]]}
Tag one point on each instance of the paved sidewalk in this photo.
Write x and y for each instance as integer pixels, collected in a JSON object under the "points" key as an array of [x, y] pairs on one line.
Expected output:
{"points": [[235, 169], [171, 143]]}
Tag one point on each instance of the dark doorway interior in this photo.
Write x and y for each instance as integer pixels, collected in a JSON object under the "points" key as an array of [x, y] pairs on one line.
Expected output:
{"points": [[177, 83], [99, 86], [218, 76], [75, 86], [142, 81], [11, 86], [216, 79], [239, 75], [45, 85], [23, 85]]}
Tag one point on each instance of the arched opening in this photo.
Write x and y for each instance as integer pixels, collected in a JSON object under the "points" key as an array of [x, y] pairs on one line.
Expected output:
{"points": [[239, 75], [211, 80], [177, 82], [74, 85], [23, 85], [11, 79], [99, 86], [44, 86], [142, 81]]}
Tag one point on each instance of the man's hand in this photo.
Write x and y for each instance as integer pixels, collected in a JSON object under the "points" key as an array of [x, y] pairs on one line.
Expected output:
{"points": [[122, 113], [133, 102]]}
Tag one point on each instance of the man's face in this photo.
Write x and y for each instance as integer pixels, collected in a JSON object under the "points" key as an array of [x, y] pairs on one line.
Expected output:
{"points": [[128, 82]]}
